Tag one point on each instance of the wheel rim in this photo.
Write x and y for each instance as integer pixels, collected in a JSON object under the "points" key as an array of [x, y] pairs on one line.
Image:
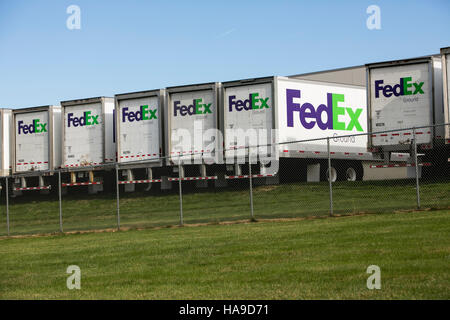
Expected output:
{"points": [[350, 174], [333, 175]]}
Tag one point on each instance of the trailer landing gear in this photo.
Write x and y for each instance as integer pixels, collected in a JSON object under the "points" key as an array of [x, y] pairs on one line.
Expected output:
{"points": [[23, 184]]}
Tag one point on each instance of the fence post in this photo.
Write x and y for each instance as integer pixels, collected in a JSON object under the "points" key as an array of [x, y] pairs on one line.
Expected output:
{"points": [[329, 176], [251, 187], [7, 205], [60, 202], [181, 192], [416, 165], [117, 197]]}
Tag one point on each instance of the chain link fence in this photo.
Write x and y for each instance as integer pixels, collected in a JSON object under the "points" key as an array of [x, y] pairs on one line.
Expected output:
{"points": [[331, 180]]}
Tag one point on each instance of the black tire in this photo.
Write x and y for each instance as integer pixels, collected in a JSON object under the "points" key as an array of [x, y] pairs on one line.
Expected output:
{"points": [[352, 171], [324, 171]]}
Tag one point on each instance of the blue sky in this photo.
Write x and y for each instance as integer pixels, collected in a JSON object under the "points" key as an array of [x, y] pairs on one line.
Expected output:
{"points": [[126, 46]]}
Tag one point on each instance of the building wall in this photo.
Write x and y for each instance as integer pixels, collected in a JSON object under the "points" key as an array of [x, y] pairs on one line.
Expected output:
{"points": [[352, 76]]}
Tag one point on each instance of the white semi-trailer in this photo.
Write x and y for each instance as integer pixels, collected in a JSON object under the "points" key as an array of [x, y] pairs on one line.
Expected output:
{"points": [[36, 147], [5, 134], [408, 94], [282, 110], [192, 119], [140, 137], [88, 141], [405, 94], [445, 54]]}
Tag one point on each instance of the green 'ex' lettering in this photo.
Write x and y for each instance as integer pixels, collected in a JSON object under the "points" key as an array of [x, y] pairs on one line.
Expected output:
{"points": [[39, 127], [255, 99], [340, 111], [148, 114]]}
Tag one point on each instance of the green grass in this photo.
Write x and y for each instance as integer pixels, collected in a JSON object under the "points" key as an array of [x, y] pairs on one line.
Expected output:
{"points": [[304, 259], [32, 214]]}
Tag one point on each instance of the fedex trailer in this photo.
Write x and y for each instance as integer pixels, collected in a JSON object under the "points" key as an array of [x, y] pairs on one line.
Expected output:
{"points": [[248, 112], [88, 141], [280, 111], [5, 152], [192, 127], [36, 141], [445, 54], [139, 137], [406, 94]]}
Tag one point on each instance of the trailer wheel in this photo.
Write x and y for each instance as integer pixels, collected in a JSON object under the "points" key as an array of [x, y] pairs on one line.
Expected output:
{"points": [[353, 172], [350, 174], [333, 175]]}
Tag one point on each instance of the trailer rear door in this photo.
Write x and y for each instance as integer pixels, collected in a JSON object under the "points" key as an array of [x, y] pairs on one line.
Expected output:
{"points": [[401, 97], [139, 129], [83, 135], [32, 141], [247, 107]]}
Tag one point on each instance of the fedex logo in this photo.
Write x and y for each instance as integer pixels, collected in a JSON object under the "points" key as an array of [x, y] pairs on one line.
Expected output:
{"points": [[403, 88], [35, 127], [253, 102], [86, 120], [144, 113], [310, 116], [195, 108]]}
